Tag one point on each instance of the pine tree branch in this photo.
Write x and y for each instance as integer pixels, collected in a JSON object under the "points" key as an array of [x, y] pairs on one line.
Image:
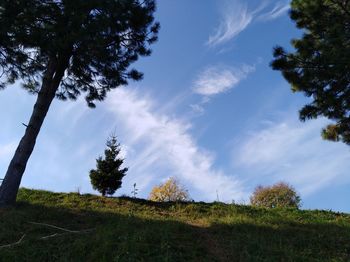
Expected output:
{"points": [[343, 7]]}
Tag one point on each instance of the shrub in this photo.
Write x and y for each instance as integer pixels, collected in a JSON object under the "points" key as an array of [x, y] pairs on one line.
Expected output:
{"points": [[278, 195], [171, 190]]}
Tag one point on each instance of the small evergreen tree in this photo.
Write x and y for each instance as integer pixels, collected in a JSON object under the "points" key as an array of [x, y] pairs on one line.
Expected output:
{"points": [[108, 175]]}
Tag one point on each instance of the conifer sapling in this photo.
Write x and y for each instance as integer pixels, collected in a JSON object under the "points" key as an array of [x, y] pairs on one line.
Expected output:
{"points": [[108, 175]]}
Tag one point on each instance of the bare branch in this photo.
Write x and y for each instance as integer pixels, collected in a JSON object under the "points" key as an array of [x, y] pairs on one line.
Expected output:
{"points": [[56, 227], [62, 234], [14, 244], [52, 235]]}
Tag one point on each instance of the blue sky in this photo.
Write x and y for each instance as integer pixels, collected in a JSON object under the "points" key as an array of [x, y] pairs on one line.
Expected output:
{"points": [[209, 111]]}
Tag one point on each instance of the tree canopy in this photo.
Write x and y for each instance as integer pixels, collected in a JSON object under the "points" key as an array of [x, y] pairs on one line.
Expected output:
{"points": [[319, 66], [92, 41]]}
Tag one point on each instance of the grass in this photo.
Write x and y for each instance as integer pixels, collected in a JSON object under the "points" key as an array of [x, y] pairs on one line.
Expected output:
{"points": [[124, 229]]}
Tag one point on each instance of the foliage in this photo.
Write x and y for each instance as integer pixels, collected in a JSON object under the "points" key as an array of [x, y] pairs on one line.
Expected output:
{"points": [[278, 195], [171, 190], [92, 41], [139, 230], [319, 67], [107, 177]]}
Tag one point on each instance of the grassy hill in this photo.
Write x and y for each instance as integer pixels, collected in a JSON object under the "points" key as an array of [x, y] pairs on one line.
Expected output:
{"points": [[93, 228]]}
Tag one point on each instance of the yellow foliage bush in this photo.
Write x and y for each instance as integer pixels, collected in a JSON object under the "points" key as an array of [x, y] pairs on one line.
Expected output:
{"points": [[279, 195], [170, 191]]}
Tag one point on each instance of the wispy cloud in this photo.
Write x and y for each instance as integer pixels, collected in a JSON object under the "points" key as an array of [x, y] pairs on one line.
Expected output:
{"points": [[294, 152], [217, 79], [156, 144], [236, 16], [161, 146], [278, 10]]}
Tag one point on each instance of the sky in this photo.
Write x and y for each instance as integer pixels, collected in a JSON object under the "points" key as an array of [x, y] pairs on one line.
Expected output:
{"points": [[209, 111]]}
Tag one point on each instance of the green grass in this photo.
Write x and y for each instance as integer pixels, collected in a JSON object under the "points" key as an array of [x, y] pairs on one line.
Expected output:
{"points": [[124, 229]]}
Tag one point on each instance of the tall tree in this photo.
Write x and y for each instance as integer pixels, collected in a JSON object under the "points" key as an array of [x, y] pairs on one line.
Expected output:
{"points": [[319, 66], [61, 48], [108, 175]]}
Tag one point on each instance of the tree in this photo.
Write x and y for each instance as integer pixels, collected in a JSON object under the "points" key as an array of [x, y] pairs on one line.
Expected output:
{"points": [[171, 190], [61, 48], [107, 177], [320, 65], [278, 195]]}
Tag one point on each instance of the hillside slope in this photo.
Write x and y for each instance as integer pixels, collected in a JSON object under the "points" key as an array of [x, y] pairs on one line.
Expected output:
{"points": [[47, 226]]}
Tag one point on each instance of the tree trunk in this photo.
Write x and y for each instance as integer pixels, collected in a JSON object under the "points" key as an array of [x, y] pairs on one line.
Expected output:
{"points": [[51, 80]]}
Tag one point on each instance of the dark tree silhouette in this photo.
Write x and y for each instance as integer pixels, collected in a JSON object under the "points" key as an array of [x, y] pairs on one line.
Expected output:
{"points": [[319, 67], [108, 175], [61, 48]]}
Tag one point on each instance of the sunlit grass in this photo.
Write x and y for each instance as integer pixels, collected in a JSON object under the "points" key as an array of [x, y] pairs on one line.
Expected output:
{"points": [[125, 229]]}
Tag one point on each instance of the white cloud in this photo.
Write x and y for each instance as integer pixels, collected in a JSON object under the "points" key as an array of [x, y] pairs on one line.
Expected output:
{"points": [[197, 109], [161, 146], [278, 10], [155, 143], [216, 80], [236, 16], [294, 152]]}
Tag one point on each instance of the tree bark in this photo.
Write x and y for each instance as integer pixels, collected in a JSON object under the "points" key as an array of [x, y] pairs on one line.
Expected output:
{"points": [[51, 80]]}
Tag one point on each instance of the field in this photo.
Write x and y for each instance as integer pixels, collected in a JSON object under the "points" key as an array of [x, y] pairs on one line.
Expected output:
{"points": [[46, 226]]}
